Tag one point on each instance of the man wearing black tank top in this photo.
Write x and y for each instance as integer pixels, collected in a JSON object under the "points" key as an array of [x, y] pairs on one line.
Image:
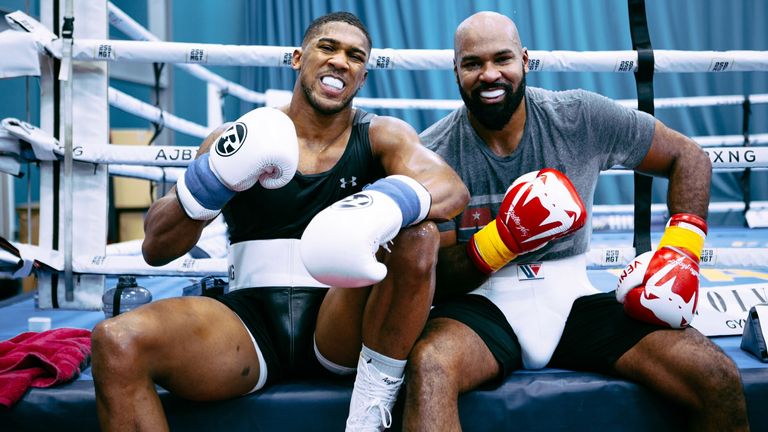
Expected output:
{"points": [[310, 192]]}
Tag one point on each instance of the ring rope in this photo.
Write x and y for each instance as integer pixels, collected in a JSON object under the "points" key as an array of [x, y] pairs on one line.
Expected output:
{"points": [[451, 104], [156, 174], [413, 59], [121, 21], [597, 258], [721, 157], [152, 113]]}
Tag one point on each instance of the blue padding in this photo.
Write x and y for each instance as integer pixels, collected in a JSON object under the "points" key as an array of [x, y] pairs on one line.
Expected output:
{"points": [[204, 186], [525, 399], [537, 401], [405, 197]]}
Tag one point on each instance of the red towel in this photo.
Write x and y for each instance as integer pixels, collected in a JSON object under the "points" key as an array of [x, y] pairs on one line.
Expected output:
{"points": [[42, 359]]}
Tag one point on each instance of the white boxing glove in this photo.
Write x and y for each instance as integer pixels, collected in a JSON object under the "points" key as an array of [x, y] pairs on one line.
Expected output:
{"points": [[260, 146], [339, 245]]}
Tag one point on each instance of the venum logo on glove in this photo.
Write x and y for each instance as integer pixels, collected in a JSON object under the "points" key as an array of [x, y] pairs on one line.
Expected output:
{"points": [[660, 287], [231, 140], [660, 296], [555, 210], [537, 208]]}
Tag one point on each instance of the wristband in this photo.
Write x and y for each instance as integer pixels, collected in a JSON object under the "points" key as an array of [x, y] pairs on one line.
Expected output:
{"points": [[487, 250], [201, 194], [413, 199], [687, 231]]}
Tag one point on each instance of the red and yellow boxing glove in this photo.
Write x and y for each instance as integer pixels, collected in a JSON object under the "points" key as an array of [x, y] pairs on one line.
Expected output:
{"points": [[538, 207], [662, 286]]}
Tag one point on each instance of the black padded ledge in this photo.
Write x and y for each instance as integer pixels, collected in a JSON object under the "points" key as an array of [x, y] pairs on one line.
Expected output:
{"points": [[548, 400]]}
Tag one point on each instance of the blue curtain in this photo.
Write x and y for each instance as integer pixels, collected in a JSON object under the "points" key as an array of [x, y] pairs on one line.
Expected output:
{"points": [[586, 25], [581, 25]]}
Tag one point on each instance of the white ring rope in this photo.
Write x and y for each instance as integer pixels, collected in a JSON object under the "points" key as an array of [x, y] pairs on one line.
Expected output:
{"points": [[699, 101], [121, 21], [152, 113], [213, 240], [127, 25], [415, 59], [179, 156], [658, 208], [597, 258], [726, 140], [658, 103], [24, 23], [621, 217], [156, 174], [710, 257], [152, 156], [147, 159]]}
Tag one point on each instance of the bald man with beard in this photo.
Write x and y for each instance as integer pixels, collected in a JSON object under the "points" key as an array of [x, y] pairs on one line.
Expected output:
{"points": [[492, 313]]}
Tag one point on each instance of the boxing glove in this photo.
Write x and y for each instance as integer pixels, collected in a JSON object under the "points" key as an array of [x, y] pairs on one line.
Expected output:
{"points": [[260, 146], [662, 287], [538, 207], [339, 245]]}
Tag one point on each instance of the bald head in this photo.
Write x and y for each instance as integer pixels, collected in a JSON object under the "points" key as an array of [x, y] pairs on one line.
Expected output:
{"points": [[484, 26]]}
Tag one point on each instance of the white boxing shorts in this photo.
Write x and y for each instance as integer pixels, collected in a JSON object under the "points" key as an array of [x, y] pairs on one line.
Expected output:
{"points": [[536, 299]]}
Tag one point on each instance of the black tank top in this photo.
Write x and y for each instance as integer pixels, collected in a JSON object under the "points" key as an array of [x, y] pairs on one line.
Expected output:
{"points": [[261, 214]]}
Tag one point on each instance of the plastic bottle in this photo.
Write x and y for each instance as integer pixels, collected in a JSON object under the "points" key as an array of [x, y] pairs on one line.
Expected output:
{"points": [[125, 296]]}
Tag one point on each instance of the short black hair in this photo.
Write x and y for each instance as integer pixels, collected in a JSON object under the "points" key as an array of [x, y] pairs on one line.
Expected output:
{"points": [[345, 17]]}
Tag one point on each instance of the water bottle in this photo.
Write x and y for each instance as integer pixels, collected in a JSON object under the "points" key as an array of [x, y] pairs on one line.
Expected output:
{"points": [[125, 296], [208, 286]]}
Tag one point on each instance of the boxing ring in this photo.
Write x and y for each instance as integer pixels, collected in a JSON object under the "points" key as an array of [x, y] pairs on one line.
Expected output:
{"points": [[73, 272], [526, 399]]}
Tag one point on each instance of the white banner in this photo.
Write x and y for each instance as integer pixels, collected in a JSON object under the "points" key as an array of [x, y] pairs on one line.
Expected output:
{"points": [[723, 310]]}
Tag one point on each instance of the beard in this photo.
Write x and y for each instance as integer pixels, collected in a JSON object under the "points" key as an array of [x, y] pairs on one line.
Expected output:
{"points": [[325, 109], [494, 116]]}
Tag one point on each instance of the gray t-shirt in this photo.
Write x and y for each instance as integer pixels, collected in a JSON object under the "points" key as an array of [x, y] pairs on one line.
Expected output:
{"points": [[577, 132]]}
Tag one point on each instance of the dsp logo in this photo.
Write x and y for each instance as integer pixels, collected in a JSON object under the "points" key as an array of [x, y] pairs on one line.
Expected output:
{"points": [[232, 139]]}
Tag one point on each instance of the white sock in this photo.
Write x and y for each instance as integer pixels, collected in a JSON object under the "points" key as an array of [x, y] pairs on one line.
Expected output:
{"points": [[386, 365]]}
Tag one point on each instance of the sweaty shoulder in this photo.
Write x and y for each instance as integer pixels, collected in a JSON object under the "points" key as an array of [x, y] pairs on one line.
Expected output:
{"points": [[384, 130]]}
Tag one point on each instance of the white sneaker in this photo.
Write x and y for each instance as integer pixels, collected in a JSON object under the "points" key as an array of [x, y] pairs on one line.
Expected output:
{"points": [[373, 397]]}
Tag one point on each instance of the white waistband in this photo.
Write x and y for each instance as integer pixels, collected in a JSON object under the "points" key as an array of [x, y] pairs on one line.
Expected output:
{"points": [[261, 263], [573, 268]]}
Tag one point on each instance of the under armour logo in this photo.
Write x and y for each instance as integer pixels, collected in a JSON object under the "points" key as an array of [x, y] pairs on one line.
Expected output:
{"points": [[344, 182], [231, 140]]}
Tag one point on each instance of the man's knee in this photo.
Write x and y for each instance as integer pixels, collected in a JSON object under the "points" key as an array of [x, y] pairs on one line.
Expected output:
{"points": [[115, 346], [718, 375], [710, 376], [417, 246], [428, 364]]}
